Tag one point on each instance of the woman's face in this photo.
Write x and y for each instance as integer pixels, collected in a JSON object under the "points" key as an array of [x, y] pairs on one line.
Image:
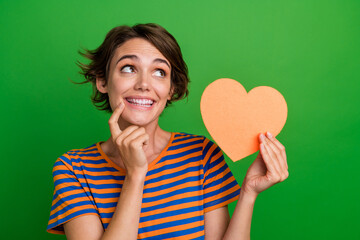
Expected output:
{"points": [[140, 75]]}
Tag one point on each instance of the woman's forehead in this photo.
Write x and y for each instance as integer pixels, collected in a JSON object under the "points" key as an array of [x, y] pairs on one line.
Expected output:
{"points": [[139, 47]]}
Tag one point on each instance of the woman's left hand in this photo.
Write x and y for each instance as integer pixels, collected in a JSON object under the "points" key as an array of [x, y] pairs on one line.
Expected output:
{"points": [[270, 166]]}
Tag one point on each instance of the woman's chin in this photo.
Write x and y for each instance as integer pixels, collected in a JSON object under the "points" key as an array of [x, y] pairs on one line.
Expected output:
{"points": [[141, 122]]}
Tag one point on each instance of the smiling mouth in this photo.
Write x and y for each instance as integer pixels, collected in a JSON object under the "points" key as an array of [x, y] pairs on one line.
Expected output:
{"points": [[140, 102]]}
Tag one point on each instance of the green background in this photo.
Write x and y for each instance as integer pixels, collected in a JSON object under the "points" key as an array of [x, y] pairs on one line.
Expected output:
{"points": [[308, 50]]}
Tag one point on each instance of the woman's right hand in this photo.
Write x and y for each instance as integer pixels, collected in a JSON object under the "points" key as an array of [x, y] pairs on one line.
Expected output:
{"points": [[130, 143]]}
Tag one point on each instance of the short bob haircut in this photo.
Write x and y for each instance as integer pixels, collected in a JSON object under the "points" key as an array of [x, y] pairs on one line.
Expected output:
{"points": [[101, 57]]}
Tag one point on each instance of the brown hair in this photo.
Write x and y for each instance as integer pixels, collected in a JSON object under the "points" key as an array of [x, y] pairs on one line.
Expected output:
{"points": [[100, 59]]}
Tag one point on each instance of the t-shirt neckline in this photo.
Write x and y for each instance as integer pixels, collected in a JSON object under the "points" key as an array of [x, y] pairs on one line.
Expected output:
{"points": [[157, 159]]}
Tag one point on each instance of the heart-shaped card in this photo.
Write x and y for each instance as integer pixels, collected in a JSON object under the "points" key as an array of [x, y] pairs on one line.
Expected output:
{"points": [[235, 118]]}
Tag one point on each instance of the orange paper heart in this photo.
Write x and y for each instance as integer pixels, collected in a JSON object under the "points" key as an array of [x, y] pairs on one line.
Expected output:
{"points": [[235, 118]]}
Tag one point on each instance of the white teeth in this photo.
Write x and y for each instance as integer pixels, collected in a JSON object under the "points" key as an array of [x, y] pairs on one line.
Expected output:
{"points": [[140, 101]]}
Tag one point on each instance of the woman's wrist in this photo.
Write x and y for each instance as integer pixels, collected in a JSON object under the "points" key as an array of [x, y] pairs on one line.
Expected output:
{"points": [[248, 197], [136, 175]]}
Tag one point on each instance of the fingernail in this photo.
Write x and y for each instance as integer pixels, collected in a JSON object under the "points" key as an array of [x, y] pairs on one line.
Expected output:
{"points": [[269, 134], [262, 137]]}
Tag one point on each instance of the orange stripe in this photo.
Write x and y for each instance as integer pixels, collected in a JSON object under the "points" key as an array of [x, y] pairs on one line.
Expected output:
{"points": [[75, 209], [67, 203], [171, 180], [106, 190], [221, 204], [64, 185], [169, 199], [62, 167], [171, 208], [100, 182], [187, 141], [168, 190]]}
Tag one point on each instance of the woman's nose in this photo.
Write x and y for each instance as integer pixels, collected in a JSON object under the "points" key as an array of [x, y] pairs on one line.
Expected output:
{"points": [[142, 82]]}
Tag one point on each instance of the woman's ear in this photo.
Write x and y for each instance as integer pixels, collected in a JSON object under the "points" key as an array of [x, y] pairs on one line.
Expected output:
{"points": [[171, 93], [101, 85]]}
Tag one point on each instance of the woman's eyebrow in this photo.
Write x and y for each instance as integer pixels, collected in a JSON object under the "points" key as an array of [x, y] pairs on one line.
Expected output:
{"points": [[134, 57], [162, 61]]}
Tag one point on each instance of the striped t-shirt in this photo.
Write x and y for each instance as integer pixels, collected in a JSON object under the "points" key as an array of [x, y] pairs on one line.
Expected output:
{"points": [[189, 178]]}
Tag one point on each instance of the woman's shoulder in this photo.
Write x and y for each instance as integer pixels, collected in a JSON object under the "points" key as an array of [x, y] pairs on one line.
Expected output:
{"points": [[79, 154]]}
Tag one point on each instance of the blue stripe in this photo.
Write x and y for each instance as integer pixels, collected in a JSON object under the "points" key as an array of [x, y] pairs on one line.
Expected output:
{"points": [[183, 145], [211, 162], [171, 224], [102, 186], [106, 195], [173, 193], [101, 177], [107, 215], [95, 161], [85, 155], [174, 165], [107, 205], [171, 213], [172, 184], [199, 238]]}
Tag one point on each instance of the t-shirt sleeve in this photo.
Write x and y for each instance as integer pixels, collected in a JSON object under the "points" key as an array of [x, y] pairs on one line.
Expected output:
{"points": [[70, 198], [220, 186]]}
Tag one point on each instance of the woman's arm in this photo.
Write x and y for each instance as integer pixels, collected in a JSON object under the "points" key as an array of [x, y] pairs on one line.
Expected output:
{"points": [[240, 223], [124, 222]]}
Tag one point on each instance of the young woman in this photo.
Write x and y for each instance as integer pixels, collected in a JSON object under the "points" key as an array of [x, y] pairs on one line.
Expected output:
{"points": [[145, 182]]}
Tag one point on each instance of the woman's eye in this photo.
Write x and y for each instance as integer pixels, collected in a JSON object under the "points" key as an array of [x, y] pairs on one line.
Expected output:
{"points": [[128, 69], [160, 73]]}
